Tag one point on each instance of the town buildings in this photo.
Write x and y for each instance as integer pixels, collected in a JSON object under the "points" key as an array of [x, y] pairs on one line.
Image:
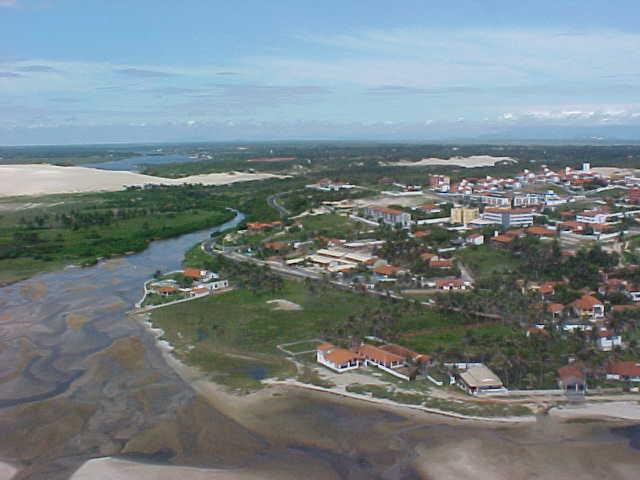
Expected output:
{"points": [[389, 216]]}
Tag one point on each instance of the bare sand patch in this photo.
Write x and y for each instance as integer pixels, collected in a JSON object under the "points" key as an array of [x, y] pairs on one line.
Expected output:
{"points": [[385, 201], [43, 179], [7, 471], [117, 469], [615, 171], [620, 410], [466, 162], [281, 304], [75, 321]]}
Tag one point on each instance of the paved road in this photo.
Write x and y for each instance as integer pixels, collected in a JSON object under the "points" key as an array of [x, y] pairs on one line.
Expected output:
{"points": [[272, 200]]}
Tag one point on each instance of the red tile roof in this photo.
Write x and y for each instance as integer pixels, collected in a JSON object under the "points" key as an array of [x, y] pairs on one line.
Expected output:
{"points": [[338, 356], [625, 369], [386, 270], [572, 370], [586, 302], [441, 263], [192, 273], [378, 355], [502, 239], [541, 231]]}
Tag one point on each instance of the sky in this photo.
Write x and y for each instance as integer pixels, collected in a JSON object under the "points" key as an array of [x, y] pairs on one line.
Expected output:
{"points": [[99, 71]]}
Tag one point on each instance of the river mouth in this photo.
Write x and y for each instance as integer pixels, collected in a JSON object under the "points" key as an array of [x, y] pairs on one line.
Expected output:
{"points": [[81, 379]]}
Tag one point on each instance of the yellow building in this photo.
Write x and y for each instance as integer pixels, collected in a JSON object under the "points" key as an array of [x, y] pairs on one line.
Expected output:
{"points": [[464, 215]]}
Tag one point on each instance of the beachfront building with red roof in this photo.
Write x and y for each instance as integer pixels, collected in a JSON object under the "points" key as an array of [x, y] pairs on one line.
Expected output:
{"points": [[572, 379], [337, 359], [628, 371]]}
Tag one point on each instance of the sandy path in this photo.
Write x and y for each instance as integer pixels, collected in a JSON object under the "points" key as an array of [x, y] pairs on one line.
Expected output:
{"points": [[51, 179], [466, 162]]}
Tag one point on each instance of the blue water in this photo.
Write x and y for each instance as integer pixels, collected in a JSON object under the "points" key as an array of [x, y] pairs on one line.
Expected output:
{"points": [[135, 164]]}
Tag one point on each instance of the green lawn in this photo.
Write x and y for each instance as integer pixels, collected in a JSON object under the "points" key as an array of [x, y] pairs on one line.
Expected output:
{"points": [[452, 337], [485, 260], [242, 326]]}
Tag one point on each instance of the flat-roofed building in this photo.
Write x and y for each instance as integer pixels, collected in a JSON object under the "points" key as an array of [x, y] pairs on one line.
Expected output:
{"points": [[480, 380], [390, 216], [509, 217]]}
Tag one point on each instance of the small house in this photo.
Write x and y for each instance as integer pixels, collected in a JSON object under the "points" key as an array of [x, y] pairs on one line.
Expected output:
{"points": [[590, 307], [607, 340], [478, 379], [625, 371], [337, 359], [572, 379]]}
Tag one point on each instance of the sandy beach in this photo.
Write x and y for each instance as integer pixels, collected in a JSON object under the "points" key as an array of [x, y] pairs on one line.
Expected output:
{"points": [[466, 162], [43, 179]]}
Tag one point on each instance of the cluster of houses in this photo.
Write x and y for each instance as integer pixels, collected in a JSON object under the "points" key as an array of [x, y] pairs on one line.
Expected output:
{"points": [[510, 203], [474, 378], [587, 313], [200, 282]]}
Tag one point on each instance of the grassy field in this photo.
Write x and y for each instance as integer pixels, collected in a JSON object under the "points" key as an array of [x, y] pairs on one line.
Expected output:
{"points": [[485, 260], [451, 337], [244, 329]]}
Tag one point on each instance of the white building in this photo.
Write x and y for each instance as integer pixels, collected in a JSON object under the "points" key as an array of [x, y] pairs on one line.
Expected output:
{"points": [[337, 359], [608, 340], [508, 217], [390, 216]]}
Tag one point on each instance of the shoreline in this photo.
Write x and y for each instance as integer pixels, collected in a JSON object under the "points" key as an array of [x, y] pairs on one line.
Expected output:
{"points": [[231, 403]]}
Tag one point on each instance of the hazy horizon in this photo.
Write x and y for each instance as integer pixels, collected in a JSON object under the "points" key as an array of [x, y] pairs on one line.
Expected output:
{"points": [[146, 72]]}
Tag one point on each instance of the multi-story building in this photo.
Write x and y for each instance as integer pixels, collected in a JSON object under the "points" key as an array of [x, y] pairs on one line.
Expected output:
{"points": [[598, 216], [390, 216], [463, 215], [441, 183], [509, 217], [634, 195]]}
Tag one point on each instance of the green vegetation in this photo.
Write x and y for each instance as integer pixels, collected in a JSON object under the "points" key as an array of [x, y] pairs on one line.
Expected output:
{"points": [[242, 323], [463, 408], [485, 260], [102, 225], [64, 155]]}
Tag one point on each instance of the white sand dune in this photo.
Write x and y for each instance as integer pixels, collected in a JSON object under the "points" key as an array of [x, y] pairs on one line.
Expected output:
{"points": [[7, 471], [42, 179], [466, 162], [116, 469]]}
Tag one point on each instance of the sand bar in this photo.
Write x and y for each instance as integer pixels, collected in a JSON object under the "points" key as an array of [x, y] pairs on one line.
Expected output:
{"points": [[466, 162], [43, 179], [117, 469]]}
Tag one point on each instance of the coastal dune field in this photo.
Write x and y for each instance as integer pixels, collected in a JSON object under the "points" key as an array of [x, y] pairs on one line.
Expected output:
{"points": [[43, 179], [466, 162]]}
